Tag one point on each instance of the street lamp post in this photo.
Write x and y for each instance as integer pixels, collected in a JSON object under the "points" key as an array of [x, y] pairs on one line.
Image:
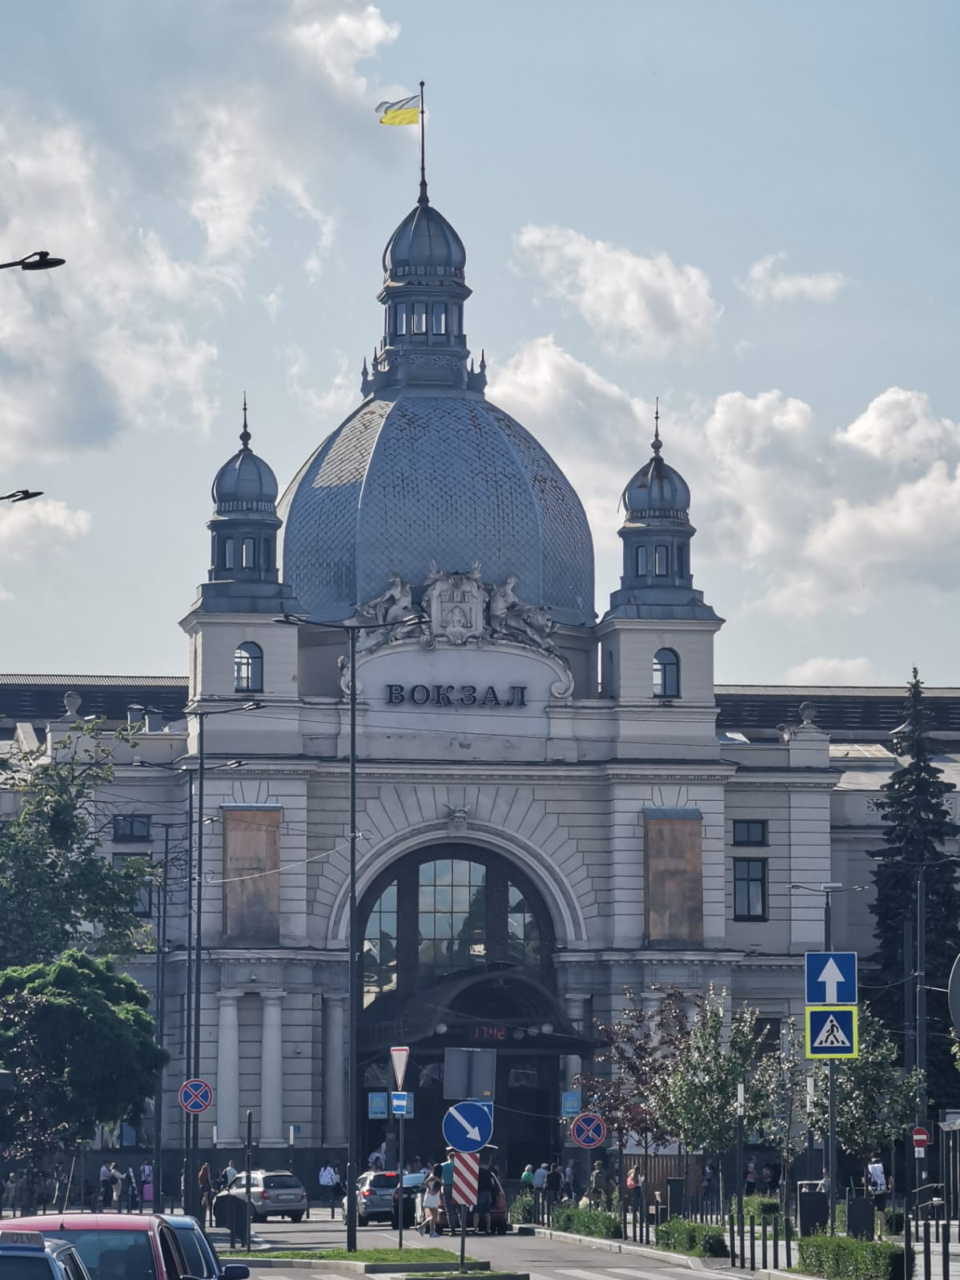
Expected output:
{"points": [[353, 1004], [741, 1106], [161, 995]]}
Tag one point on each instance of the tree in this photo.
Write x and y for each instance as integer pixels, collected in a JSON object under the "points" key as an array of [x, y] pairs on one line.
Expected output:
{"points": [[711, 1057], [635, 1047], [783, 1075], [79, 1041], [916, 825], [56, 888], [875, 1100]]}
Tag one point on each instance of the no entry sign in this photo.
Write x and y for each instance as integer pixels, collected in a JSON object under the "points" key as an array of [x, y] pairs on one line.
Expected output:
{"points": [[920, 1138]]}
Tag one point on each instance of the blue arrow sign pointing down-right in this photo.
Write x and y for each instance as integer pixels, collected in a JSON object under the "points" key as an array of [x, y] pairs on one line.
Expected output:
{"points": [[831, 977]]}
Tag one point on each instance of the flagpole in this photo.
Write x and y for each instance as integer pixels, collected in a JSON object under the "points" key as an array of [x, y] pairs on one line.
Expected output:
{"points": [[423, 172]]}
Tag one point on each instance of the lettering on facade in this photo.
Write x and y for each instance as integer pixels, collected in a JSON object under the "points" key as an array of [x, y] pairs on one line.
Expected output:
{"points": [[456, 695]]}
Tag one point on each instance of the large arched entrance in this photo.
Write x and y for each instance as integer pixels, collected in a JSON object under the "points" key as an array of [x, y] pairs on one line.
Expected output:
{"points": [[458, 953]]}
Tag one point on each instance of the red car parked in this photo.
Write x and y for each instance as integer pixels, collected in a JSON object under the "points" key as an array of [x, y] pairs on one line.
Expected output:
{"points": [[117, 1246]]}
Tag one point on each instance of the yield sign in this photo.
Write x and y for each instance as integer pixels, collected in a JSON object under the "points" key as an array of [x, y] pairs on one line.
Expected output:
{"points": [[399, 1056]]}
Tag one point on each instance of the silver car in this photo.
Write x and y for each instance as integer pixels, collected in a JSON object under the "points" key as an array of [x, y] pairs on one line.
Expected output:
{"points": [[374, 1197], [277, 1194]]}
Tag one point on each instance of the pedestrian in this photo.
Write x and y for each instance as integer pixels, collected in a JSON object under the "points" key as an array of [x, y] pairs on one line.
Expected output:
{"points": [[750, 1179], [708, 1184], [598, 1186], [526, 1178], [877, 1181], [432, 1187], [635, 1187], [446, 1175], [570, 1183], [106, 1187], [327, 1180], [484, 1208], [123, 1199], [552, 1186], [146, 1185], [9, 1197], [230, 1174], [205, 1187]]}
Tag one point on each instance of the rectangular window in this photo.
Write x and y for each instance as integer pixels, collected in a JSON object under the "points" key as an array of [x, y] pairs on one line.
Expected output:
{"points": [[750, 833], [662, 562], [228, 553], [749, 888], [402, 319], [641, 562], [439, 317], [143, 906], [681, 571], [131, 826], [249, 553], [419, 317]]}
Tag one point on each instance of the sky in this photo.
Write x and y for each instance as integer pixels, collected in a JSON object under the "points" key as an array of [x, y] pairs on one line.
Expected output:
{"points": [[746, 209]]}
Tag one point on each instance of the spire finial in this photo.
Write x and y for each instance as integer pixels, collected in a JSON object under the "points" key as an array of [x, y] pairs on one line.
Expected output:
{"points": [[424, 198], [245, 433], [656, 444]]}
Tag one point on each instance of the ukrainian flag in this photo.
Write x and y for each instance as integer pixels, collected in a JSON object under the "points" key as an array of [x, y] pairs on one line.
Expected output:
{"points": [[406, 111]]}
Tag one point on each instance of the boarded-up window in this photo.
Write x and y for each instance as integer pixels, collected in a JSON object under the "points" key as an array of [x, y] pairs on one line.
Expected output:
{"points": [[673, 881], [251, 892]]}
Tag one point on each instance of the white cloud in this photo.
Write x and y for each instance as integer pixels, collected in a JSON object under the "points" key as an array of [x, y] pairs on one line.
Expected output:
{"points": [[336, 40], [337, 400], [650, 306], [30, 528], [832, 671], [900, 427], [765, 283], [272, 302]]}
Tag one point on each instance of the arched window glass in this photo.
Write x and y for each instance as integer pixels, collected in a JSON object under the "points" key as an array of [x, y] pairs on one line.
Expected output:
{"points": [[523, 932], [228, 553], [641, 562], [419, 317], [248, 668], [402, 319], [249, 553], [380, 947], [666, 674], [453, 914], [662, 562], [439, 317]]}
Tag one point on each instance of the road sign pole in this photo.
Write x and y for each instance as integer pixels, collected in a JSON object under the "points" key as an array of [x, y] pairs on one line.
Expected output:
{"points": [[400, 1207], [831, 1082], [464, 1210]]}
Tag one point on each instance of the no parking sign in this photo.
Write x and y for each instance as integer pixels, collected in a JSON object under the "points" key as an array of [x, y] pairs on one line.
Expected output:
{"points": [[588, 1130]]}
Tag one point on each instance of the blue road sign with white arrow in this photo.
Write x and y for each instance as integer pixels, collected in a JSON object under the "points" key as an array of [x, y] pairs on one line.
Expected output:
{"points": [[468, 1126], [831, 977]]}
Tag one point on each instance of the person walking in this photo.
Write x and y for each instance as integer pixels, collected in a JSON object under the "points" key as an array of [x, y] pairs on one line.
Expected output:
{"points": [[570, 1183], [327, 1181], [205, 1187], [146, 1187], [126, 1185], [446, 1174], [484, 1208], [432, 1187], [552, 1187], [106, 1187], [598, 1186], [9, 1199]]}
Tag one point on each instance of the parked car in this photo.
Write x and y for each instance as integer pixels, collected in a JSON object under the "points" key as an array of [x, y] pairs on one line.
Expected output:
{"points": [[498, 1213], [201, 1257], [374, 1197], [274, 1194], [117, 1246], [26, 1255], [412, 1182]]}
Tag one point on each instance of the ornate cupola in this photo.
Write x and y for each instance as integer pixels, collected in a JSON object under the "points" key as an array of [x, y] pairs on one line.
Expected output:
{"points": [[657, 581], [243, 574], [423, 294]]}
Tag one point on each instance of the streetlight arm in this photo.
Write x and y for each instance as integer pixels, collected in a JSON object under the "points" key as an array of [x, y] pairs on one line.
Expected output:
{"points": [[39, 261]]}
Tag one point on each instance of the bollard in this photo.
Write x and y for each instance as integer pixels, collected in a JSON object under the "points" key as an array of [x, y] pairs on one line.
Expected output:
{"points": [[907, 1248], [733, 1244], [926, 1249], [763, 1241], [776, 1242], [787, 1239], [753, 1244], [743, 1259], [945, 1250]]}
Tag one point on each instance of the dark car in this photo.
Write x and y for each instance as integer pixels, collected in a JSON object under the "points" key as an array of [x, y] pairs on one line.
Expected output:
{"points": [[201, 1257], [412, 1182]]}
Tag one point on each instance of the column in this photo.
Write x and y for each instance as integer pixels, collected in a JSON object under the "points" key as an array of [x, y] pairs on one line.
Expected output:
{"points": [[576, 1012], [271, 1070], [228, 1071], [334, 1130]]}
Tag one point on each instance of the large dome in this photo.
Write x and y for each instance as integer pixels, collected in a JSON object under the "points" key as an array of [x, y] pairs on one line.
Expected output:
{"points": [[439, 477]]}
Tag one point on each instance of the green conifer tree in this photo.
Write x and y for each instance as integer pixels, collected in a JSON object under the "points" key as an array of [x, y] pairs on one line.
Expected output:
{"points": [[916, 828]]}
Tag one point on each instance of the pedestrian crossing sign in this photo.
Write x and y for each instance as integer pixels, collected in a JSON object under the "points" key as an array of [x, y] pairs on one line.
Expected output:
{"points": [[832, 1031]]}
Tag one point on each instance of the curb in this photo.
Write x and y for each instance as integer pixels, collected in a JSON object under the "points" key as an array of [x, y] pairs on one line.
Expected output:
{"points": [[623, 1246], [335, 1267]]}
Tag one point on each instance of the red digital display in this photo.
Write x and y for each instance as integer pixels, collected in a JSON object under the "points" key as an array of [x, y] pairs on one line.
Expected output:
{"points": [[486, 1031]]}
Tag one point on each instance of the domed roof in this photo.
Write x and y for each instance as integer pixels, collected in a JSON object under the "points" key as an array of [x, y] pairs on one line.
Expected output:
{"points": [[424, 244], [657, 490], [441, 477], [245, 482]]}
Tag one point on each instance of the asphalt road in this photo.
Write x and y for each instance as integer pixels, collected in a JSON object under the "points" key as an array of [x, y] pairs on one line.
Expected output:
{"points": [[542, 1259]]}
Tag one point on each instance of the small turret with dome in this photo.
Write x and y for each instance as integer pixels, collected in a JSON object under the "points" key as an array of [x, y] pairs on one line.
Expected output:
{"points": [[243, 575], [657, 581]]}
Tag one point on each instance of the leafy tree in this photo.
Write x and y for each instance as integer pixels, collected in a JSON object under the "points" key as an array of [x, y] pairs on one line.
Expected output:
{"points": [[916, 825], [710, 1058], [635, 1048], [79, 1041], [875, 1099], [56, 888], [783, 1074]]}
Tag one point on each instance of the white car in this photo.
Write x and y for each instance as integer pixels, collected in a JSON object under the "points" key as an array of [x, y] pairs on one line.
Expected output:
{"points": [[277, 1194]]}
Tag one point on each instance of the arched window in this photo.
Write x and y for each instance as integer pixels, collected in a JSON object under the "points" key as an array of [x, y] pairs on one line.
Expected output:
{"points": [[666, 674], [228, 553], [401, 319], [439, 317], [249, 553], [662, 562], [248, 668], [419, 317]]}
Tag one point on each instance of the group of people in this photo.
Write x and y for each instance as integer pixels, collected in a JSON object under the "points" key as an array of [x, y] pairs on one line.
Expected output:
{"points": [[438, 1189], [210, 1184], [124, 1189], [32, 1190]]}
